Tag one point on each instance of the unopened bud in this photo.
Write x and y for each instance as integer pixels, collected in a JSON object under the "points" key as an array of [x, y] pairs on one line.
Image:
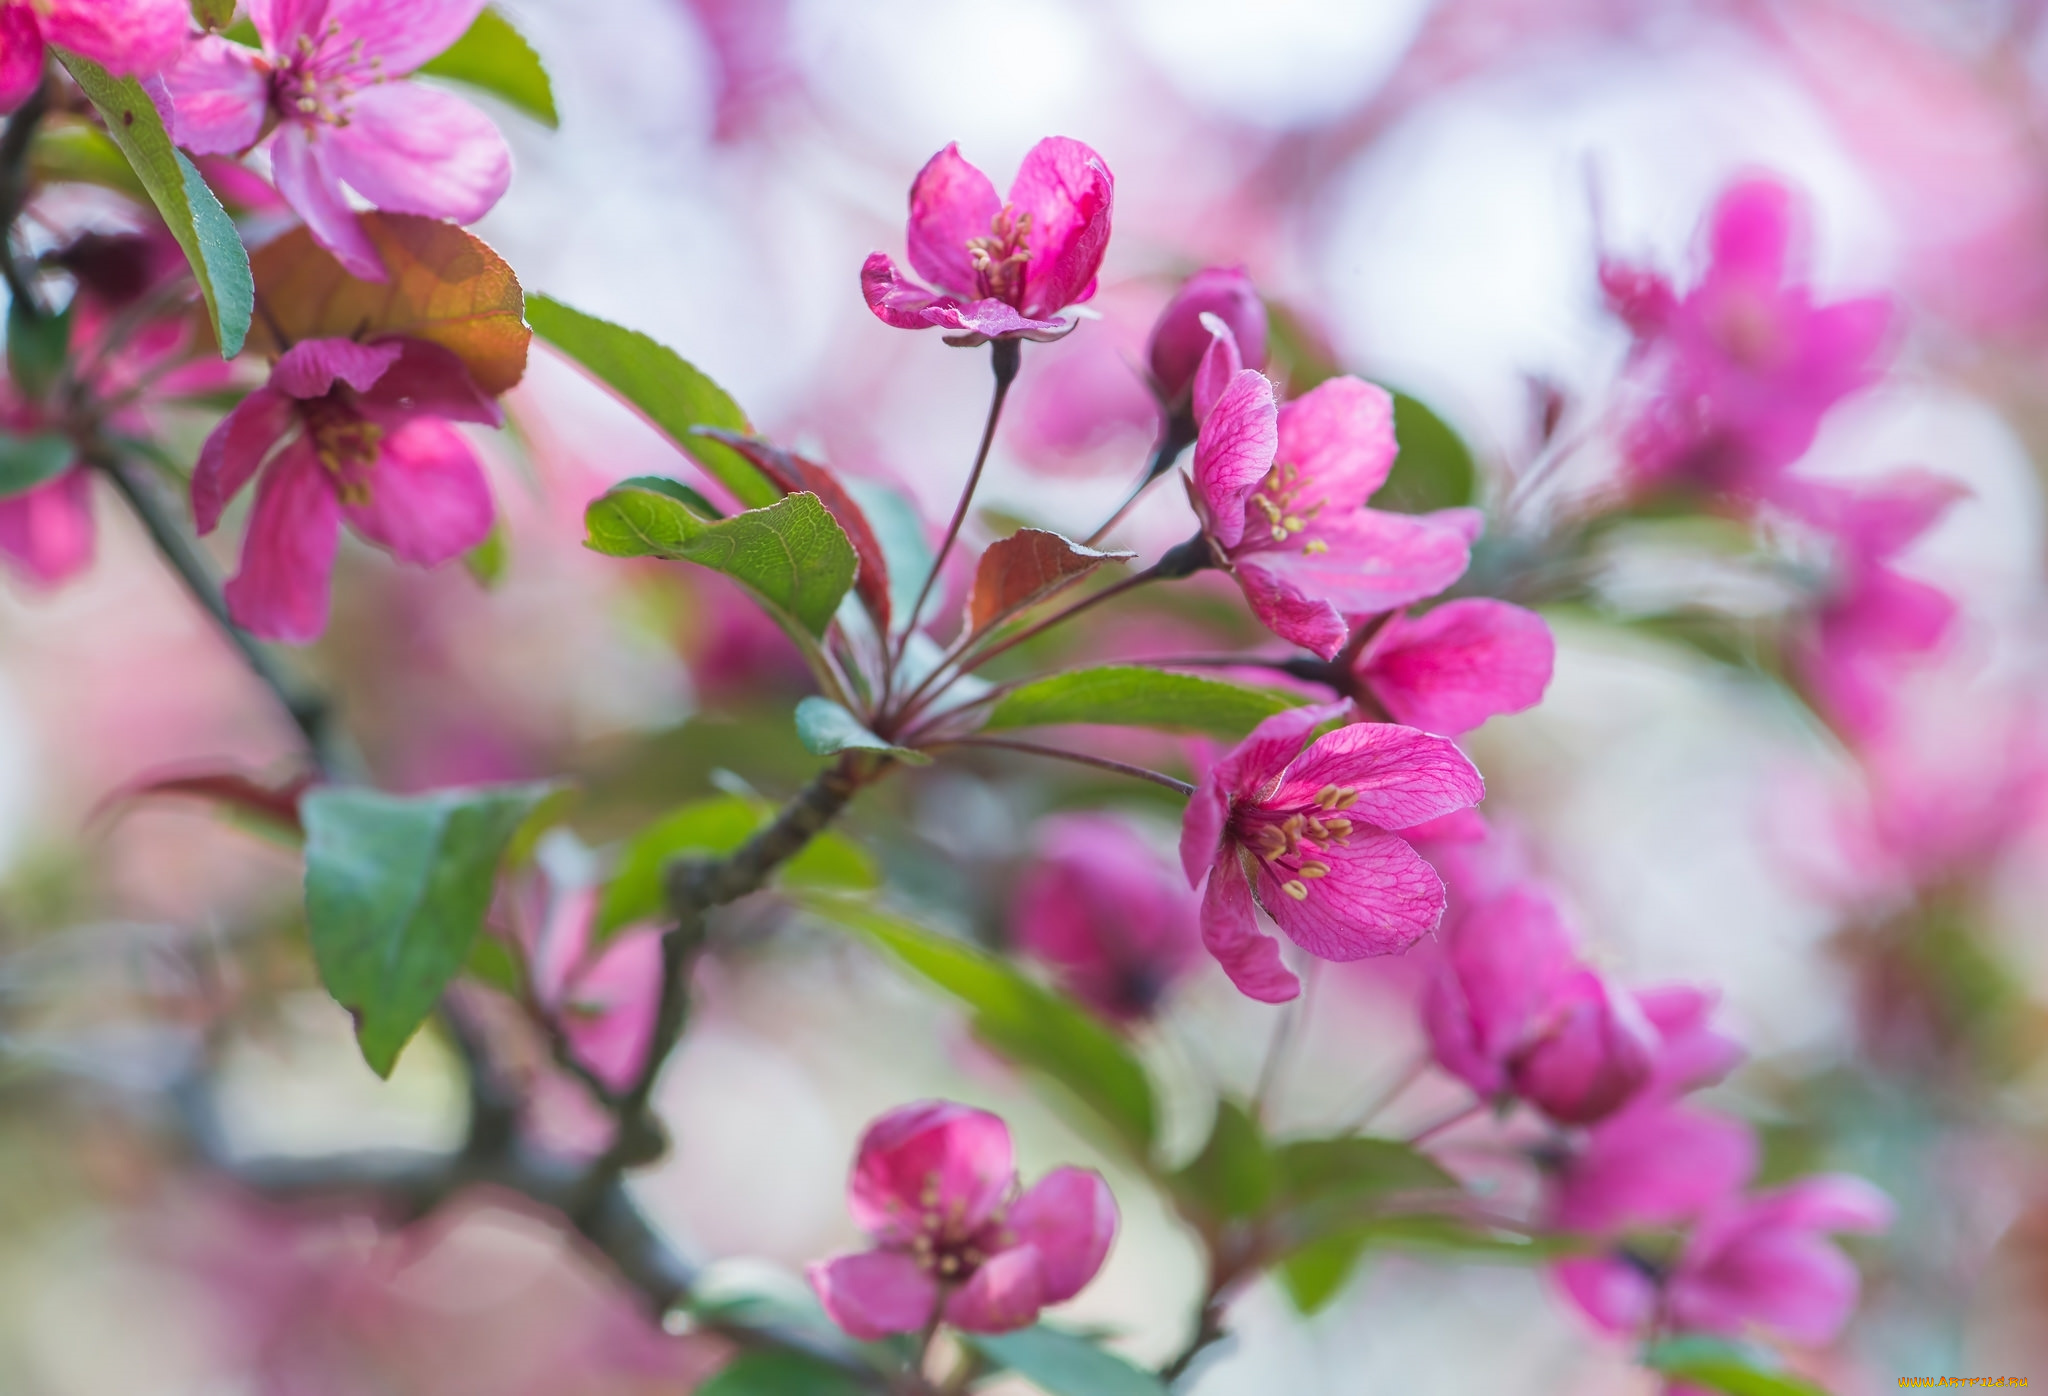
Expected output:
{"points": [[1179, 339]]}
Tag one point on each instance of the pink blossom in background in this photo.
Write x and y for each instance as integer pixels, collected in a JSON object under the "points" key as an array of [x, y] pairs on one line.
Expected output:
{"points": [[1281, 494], [1456, 665], [1739, 370], [1875, 622], [749, 42], [126, 37], [1180, 339], [1086, 408], [935, 1186], [604, 997], [1305, 829], [1764, 1261], [999, 269], [327, 87], [1106, 913], [366, 437], [1512, 1011]]}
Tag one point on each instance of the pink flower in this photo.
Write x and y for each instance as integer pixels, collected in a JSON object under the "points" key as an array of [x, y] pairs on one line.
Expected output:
{"points": [[604, 1002], [1764, 1261], [1001, 270], [1180, 339], [1307, 832], [327, 82], [1741, 369], [1511, 1011], [1106, 913], [935, 1186], [365, 435], [126, 37], [1876, 620], [1281, 493], [1453, 667]]}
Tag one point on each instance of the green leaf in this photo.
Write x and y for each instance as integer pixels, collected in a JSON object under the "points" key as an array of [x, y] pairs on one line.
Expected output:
{"points": [[71, 150], [194, 216], [792, 555], [782, 1374], [396, 890], [1720, 1365], [1311, 1170], [486, 561], [29, 461], [1130, 696], [36, 348], [666, 389], [1065, 1364], [1316, 1273], [1234, 1175], [492, 962], [494, 57], [713, 827], [1434, 469], [213, 14], [676, 489], [1020, 1019], [827, 728]]}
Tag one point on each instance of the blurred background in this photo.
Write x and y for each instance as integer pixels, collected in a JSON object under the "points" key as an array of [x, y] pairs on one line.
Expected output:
{"points": [[1424, 189]]}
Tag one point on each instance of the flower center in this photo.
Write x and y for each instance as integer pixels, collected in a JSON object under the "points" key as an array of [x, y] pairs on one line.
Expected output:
{"points": [[999, 258], [1747, 328], [311, 86], [1278, 498], [1290, 846], [345, 442], [943, 1247]]}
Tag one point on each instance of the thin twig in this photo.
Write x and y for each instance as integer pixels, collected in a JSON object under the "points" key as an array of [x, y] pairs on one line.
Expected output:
{"points": [[1176, 434], [1004, 358], [1102, 763], [1430, 1131]]}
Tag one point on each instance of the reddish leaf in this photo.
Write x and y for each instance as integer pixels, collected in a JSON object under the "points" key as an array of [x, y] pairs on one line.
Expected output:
{"points": [[1025, 568], [273, 805], [446, 286], [792, 474]]}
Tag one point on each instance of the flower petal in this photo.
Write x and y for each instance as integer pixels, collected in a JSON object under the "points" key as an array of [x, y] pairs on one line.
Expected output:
{"points": [[21, 55], [873, 1294], [1792, 1282], [1006, 1293], [951, 202], [1379, 896], [1653, 1165], [1614, 1294], [429, 380], [126, 37], [234, 451], [1230, 930], [1340, 436], [1216, 370], [991, 319], [1750, 231], [1362, 562], [220, 95], [314, 193], [894, 298], [608, 1018], [1069, 1216], [934, 1156], [282, 23], [1402, 777], [1234, 452], [1068, 191], [1594, 1054], [48, 531], [428, 499], [1250, 764], [312, 367], [1290, 612], [408, 148], [1451, 669], [397, 36], [288, 554], [1505, 961]]}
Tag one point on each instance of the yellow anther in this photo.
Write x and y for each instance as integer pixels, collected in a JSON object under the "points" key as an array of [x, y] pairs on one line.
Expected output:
{"points": [[1314, 546], [1314, 870], [1296, 890]]}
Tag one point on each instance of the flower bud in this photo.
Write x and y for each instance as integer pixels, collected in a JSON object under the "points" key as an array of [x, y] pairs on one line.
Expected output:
{"points": [[1179, 339]]}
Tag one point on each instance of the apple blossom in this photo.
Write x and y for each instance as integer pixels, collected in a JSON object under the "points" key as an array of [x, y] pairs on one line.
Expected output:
{"points": [[934, 1185], [1180, 339], [365, 436], [1454, 666], [126, 37], [999, 269], [1307, 829], [326, 91]]}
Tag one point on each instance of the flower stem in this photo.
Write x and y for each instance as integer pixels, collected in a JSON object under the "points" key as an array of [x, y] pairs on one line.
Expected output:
{"points": [[1005, 358], [1175, 436], [1102, 763], [1456, 1118]]}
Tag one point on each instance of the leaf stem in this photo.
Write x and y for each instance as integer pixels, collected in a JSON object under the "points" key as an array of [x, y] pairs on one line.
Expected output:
{"points": [[1102, 763], [1005, 357]]}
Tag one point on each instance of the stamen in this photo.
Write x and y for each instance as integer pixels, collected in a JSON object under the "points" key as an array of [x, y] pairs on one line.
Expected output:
{"points": [[1314, 870], [1295, 889]]}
